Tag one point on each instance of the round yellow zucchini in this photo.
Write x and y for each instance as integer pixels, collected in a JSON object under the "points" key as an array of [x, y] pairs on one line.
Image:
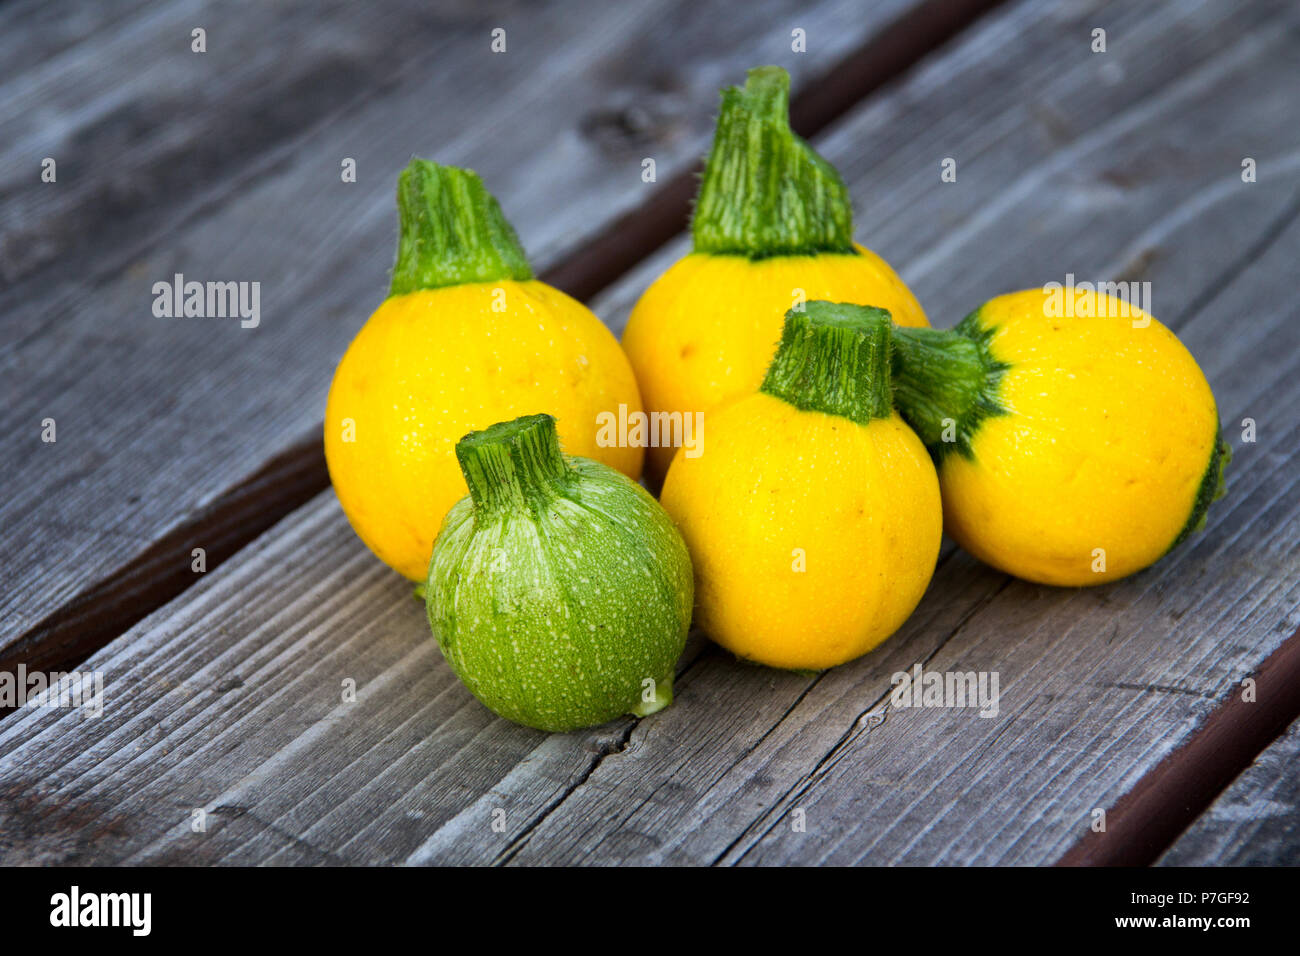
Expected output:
{"points": [[1073, 449], [466, 338], [812, 514]]}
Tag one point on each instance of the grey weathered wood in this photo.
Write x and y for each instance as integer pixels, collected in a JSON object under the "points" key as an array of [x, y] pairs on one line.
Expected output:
{"points": [[32, 32], [146, 131], [158, 418], [1256, 821], [1096, 684]]}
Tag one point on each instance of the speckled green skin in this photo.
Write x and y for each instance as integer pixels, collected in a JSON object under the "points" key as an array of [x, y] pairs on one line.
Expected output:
{"points": [[554, 617]]}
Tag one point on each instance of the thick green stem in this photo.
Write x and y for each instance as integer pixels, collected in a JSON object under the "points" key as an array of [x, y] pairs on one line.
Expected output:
{"points": [[453, 231], [765, 192], [945, 384], [514, 465], [834, 358]]}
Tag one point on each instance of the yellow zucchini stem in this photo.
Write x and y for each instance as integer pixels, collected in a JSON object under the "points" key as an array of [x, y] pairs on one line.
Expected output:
{"points": [[834, 358], [514, 466], [452, 231], [945, 384], [765, 192]]}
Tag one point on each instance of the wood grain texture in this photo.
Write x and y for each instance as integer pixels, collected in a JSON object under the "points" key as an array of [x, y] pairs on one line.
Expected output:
{"points": [[33, 32], [1151, 815], [229, 699], [226, 166], [147, 131], [1256, 821]]}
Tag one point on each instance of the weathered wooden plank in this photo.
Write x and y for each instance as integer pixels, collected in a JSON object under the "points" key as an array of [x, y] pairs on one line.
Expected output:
{"points": [[303, 778], [1150, 816], [195, 430], [32, 32], [714, 817], [144, 129], [1256, 821]]}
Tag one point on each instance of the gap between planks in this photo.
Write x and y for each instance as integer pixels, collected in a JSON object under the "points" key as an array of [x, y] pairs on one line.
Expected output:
{"points": [[1149, 818], [70, 634]]}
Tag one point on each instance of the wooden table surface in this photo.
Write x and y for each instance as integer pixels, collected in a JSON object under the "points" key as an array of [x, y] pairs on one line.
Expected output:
{"points": [[228, 734]]}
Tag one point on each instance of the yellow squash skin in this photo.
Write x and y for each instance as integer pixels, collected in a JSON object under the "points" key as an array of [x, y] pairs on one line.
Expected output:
{"points": [[1109, 435], [432, 365], [706, 330], [859, 502]]}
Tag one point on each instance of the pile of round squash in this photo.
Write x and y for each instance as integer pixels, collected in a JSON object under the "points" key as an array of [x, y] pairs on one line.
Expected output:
{"points": [[841, 437]]}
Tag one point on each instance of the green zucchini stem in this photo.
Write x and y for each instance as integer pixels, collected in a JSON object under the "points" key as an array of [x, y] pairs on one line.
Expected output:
{"points": [[945, 384], [834, 358], [765, 192], [514, 465], [452, 231]]}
